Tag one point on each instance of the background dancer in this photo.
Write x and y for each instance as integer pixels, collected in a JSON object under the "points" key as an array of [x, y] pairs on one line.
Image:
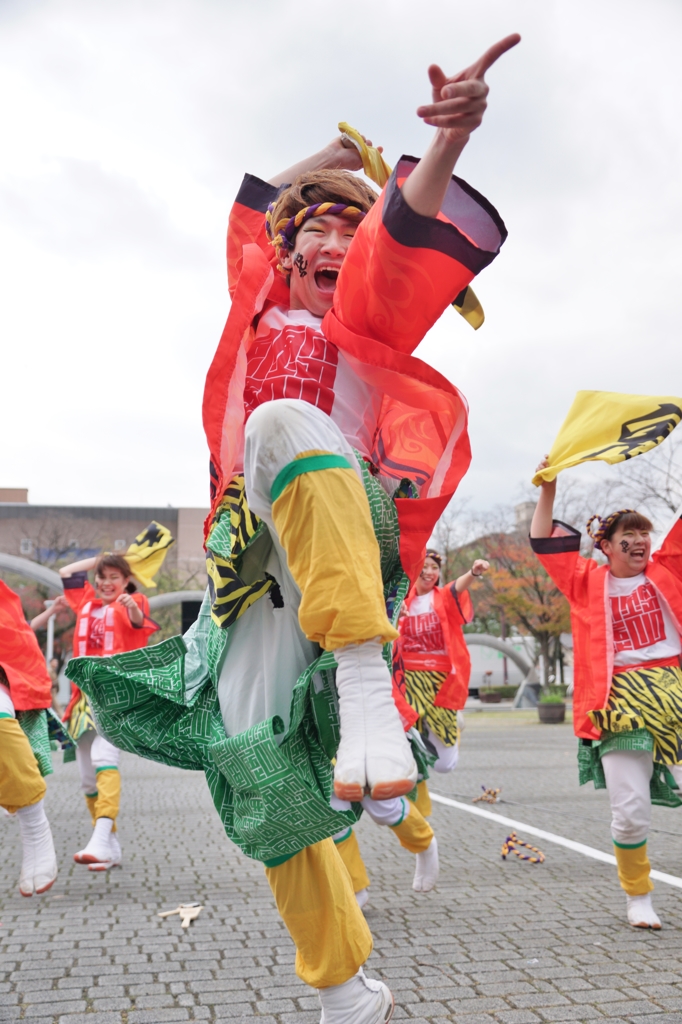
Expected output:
{"points": [[627, 704], [111, 617], [25, 693], [312, 395]]}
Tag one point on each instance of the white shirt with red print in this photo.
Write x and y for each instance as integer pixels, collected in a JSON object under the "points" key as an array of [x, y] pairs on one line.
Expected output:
{"points": [[291, 358], [643, 628]]}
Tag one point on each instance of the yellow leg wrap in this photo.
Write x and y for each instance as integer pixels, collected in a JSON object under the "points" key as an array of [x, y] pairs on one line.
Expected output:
{"points": [[91, 803], [315, 898], [633, 869], [423, 801], [349, 850], [21, 783], [108, 793], [414, 831], [324, 525]]}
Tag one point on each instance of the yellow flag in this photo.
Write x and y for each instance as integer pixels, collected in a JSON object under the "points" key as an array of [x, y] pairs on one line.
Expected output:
{"points": [[378, 171], [146, 554], [610, 427]]}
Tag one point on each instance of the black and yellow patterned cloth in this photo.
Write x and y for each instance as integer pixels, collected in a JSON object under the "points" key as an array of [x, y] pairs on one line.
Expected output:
{"points": [[644, 713], [81, 719], [421, 689]]}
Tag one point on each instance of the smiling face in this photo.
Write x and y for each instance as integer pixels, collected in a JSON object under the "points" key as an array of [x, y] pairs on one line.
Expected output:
{"points": [[428, 577], [110, 583], [628, 550], [319, 250]]}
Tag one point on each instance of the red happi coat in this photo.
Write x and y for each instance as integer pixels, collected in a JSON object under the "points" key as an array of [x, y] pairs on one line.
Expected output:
{"points": [[585, 585], [30, 685], [119, 633], [400, 273]]}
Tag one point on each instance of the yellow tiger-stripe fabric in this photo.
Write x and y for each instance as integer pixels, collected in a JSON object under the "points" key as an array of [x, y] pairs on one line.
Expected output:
{"points": [[315, 898], [81, 719], [21, 783], [324, 524], [349, 851], [414, 831], [421, 690], [651, 699], [633, 869], [146, 554]]}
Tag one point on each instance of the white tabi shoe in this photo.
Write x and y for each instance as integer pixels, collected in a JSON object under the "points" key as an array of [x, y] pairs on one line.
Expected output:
{"points": [[427, 869], [374, 752], [362, 897], [39, 863], [359, 1000], [98, 850], [641, 913], [114, 859]]}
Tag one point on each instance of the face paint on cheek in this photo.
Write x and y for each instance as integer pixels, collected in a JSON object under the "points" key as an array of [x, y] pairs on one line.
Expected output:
{"points": [[300, 264], [624, 546]]}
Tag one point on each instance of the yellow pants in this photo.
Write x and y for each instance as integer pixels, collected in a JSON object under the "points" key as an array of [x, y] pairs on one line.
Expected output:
{"points": [[324, 525], [21, 783], [414, 831], [423, 801], [633, 869], [315, 898], [103, 804], [349, 851]]}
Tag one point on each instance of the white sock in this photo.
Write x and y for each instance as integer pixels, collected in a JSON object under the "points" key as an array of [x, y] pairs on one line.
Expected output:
{"points": [[359, 1000], [641, 913], [98, 849], [39, 863], [362, 897], [427, 868]]}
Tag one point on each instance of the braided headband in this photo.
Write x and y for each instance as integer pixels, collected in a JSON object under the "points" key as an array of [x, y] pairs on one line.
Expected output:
{"points": [[435, 555], [598, 534], [282, 234]]}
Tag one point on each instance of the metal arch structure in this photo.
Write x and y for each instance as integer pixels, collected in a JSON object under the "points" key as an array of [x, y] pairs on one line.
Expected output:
{"points": [[175, 597], [527, 693]]}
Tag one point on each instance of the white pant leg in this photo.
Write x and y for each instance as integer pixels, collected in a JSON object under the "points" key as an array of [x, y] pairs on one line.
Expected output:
{"points": [[6, 705], [628, 774], [447, 756], [676, 770], [275, 433], [387, 812], [84, 762], [104, 754]]}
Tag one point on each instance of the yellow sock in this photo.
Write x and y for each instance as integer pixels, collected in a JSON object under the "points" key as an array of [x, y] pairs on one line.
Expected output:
{"points": [[414, 831], [108, 793], [316, 901], [633, 868], [349, 850], [423, 800], [21, 784]]}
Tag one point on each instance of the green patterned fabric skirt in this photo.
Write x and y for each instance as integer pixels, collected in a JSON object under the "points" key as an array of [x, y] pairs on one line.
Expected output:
{"points": [[271, 786]]}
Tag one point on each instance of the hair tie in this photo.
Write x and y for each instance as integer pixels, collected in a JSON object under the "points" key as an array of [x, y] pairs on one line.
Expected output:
{"points": [[282, 234]]}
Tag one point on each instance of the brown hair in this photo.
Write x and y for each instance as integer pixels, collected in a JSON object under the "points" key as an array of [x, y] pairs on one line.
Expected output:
{"points": [[628, 521], [109, 561], [330, 186]]}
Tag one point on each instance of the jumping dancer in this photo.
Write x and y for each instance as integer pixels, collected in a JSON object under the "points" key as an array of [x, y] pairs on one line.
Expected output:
{"points": [[25, 693], [323, 429], [627, 704]]}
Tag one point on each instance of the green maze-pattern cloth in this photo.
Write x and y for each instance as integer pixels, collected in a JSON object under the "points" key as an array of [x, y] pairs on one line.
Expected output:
{"points": [[663, 788], [34, 724], [271, 788]]}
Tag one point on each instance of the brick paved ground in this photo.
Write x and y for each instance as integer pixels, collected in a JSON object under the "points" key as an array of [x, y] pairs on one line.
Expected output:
{"points": [[495, 942]]}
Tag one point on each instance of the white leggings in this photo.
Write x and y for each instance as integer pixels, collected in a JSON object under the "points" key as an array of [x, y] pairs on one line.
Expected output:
{"points": [[447, 756], [628, 773], [93, 752]]}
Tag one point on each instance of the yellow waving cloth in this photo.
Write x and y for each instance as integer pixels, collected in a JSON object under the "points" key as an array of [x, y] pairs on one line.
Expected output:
{"points": [[378, 171], [146, 554], [609, 427]]}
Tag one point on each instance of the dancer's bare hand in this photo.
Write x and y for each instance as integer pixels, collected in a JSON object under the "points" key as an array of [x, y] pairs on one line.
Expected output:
{"points": [[459, 102], [343, 154]]}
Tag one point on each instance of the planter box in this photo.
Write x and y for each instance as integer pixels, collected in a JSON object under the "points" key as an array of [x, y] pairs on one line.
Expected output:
{"points": [[491, 697], [552, 714]]}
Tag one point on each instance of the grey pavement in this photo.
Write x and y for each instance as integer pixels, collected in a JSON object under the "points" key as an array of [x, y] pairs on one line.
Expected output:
{"points": [[496, 941]]}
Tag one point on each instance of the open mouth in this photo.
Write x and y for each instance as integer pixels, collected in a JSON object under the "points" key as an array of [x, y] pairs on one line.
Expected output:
{"points": [[326, 278]]}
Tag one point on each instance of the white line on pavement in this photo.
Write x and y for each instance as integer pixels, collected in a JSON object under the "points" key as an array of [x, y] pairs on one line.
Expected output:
{"points": [[550, 837]]}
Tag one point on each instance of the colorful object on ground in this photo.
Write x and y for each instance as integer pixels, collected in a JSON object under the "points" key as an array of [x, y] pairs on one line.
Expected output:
{"points": [[609, 427], [188, 912], [378, 171], [146, 554], [510, 846], [488, 796]]}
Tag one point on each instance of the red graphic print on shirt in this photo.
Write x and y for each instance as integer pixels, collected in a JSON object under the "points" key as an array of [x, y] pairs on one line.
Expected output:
{"points": [[294, 362], [422, 633], [637, 619], [96, 637]]}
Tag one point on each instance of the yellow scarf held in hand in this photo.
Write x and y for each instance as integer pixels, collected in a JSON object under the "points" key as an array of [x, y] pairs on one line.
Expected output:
{"points": [[378, 171], [146, 554], [609, 427]]}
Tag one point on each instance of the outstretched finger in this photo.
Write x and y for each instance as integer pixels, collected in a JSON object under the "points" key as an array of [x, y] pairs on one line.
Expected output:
{"points": [[494, 53]]}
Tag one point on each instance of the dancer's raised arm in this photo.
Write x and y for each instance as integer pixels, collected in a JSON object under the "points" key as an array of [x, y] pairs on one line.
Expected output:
{"points": [[339, 154], [543, 517]]}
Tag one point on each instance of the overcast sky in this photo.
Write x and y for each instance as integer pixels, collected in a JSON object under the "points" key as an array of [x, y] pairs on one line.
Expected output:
{"points": [[125, 129]]}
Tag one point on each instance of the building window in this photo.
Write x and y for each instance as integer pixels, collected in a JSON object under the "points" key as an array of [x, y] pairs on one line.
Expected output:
{"points": [[119, 545], [25, 546]]}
